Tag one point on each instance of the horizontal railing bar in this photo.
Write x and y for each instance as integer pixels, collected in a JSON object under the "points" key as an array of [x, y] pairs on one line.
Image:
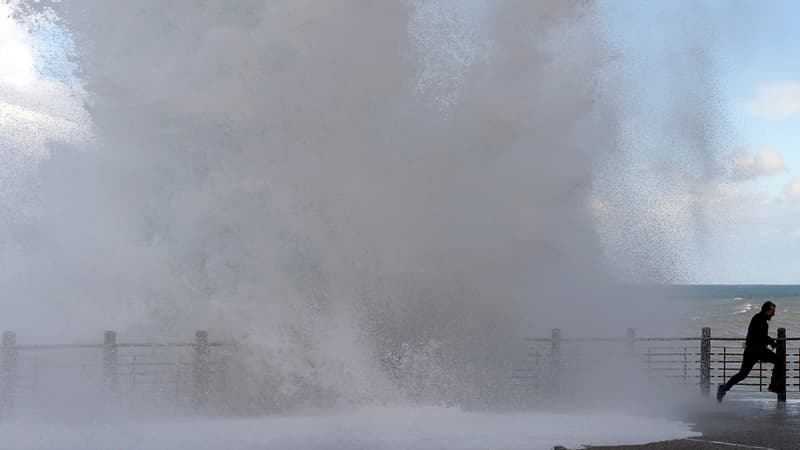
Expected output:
{"points": [[623, 339], [683, 364], [169, 344], [644, 339], [661, 350], [656, 350], [163, 363], [666, 339], [53, 346], [666, 376], [665, 357], [119, 345]]}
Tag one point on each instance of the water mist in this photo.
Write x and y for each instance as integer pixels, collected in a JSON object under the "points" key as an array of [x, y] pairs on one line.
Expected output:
{"points": [[377, 201]]}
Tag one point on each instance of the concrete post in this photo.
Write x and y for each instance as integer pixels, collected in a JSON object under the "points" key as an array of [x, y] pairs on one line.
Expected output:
{"points": [[110, 359], [780, 350], [555, 349], [705, 361], [200, 373], [9, 374], [630, 334]]}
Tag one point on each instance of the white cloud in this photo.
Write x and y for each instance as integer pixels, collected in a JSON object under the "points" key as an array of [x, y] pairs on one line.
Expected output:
{"points": [[768, 233], [776, 101], [795, 235], [792, 189], [766, 162], [721, 203]]}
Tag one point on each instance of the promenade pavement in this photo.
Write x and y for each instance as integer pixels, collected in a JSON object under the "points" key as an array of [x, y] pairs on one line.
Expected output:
{"points": [[748, 422]]}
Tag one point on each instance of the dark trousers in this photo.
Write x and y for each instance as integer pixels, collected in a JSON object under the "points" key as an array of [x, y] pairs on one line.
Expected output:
{"points": [[750, 358]]}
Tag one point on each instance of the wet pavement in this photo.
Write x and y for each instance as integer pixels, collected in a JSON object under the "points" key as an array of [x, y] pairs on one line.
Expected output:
{"points": [[743, 423]]}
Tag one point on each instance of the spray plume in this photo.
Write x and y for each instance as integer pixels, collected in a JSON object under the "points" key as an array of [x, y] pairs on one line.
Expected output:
{"points": [[364, 194]]}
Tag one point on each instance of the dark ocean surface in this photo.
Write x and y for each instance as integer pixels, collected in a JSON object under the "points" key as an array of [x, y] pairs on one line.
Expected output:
{"points": [[727, 309]]}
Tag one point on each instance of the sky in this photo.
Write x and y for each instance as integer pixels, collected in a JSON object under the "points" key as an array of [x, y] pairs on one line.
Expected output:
{"points": [[753, 200], [764, 93], [752, 204]]}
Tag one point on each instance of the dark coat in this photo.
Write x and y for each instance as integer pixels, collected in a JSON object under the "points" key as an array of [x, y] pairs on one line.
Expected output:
{"points": [[757, 332]]}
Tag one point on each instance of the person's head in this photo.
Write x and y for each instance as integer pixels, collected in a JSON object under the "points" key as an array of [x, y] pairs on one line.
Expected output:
{"points": [[768, 308]]}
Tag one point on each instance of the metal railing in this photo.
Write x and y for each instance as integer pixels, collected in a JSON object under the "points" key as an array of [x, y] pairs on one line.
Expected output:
{"points": [[699, 362], [173, 374]]}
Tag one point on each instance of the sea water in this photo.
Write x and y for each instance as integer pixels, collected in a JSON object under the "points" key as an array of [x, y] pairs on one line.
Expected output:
{"points": [[727, 309]]}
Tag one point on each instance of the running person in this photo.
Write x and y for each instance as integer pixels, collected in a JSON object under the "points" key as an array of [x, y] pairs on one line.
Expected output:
{"points": [[756, 350]]}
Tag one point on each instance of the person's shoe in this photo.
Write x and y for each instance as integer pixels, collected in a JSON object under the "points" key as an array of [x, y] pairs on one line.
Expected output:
{"points": [[720, 392], [774, 389]]}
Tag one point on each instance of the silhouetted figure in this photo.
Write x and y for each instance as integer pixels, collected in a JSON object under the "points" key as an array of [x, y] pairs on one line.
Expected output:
{"points": [[756, 350]]}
